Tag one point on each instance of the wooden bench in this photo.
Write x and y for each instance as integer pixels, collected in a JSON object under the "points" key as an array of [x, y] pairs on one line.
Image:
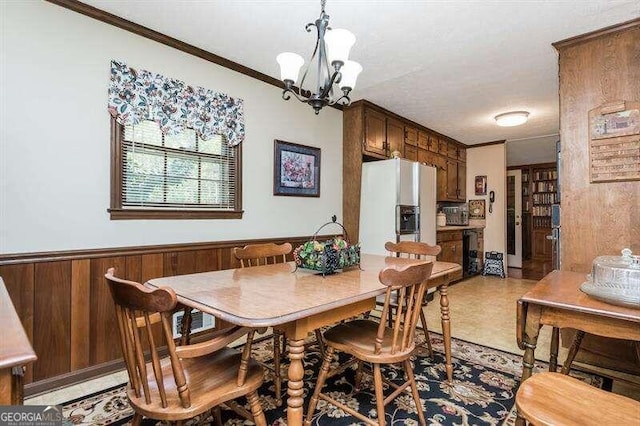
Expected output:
{"points": [[556, 399]]}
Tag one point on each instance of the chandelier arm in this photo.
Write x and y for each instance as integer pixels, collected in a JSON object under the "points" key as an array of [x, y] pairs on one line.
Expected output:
{"points": [[335, 77], [286, 95], [347, 100], [315, 51]]}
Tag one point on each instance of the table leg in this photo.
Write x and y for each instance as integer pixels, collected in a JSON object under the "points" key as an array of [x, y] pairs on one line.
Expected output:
{"points": [[446, 330], [529, 341], [553, 355], [573, 351], [532, 329], [295, 383]]}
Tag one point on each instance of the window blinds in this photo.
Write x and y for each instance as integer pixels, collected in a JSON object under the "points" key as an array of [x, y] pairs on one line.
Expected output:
{"points": [[180, 171]]}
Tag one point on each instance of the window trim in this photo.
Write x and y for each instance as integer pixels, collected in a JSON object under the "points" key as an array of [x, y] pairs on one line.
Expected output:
{"points": [[118, 212]]}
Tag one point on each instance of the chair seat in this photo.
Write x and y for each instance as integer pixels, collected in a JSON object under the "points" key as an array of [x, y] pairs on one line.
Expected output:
{"points": [[557, 399], [357, 338], [207, 376]]}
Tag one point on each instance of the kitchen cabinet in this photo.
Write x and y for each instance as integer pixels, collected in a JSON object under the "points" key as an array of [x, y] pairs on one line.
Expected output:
{"points": [[411, 152], [375, 133], [452, 249], [411, 136], [443, 147], [433, 144], [423, 140], [395, 136], [455, 188], [456, 152], [382, 134]]}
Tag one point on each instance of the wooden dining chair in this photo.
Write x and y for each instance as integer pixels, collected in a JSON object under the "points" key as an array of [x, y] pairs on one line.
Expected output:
{"points": [[412, 250], [375, 343], [189, 380], [263, 254], [547, 399]]}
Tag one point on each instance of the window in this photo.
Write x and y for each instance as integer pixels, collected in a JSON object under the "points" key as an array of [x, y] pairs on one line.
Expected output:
{"points": [[182, 176]]}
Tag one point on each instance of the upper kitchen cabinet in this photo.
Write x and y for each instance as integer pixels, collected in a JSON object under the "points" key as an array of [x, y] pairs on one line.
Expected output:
{"points": [[410, 136], [456, 186], [375, 133], [382, 134]]}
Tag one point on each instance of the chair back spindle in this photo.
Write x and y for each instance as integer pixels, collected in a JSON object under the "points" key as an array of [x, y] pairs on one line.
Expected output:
{"points": [[412, 250], [410, 282]]}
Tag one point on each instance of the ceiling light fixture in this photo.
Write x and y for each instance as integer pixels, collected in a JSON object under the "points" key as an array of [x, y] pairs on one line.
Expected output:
{"points": [[514, 118], [332, 66]]}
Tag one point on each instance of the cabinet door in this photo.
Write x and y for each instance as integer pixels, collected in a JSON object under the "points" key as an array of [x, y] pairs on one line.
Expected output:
{"points": [[452, 180], [422, 156], [423, 140], [375, 134], [462, 154], [441, 179], [411, 152], [395, 135], [452, 151], [541, 247], [451, 251], [410, 136], [462, 181], [433, 143], [442, 147]]}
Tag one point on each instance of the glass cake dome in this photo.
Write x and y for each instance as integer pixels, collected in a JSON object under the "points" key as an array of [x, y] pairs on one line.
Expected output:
{"points": [[615, 279]]}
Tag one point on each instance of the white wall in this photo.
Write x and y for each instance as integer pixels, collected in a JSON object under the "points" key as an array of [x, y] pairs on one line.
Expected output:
{"points": [[55, 141], [490, 161], [532, 151]]}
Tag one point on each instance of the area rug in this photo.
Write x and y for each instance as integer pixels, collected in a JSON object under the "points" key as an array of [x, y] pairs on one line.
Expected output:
{"points": [[483, 392]]}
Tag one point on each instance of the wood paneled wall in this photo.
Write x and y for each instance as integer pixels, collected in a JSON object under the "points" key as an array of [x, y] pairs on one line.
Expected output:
{"points": [[597, 218], [66, 309]]}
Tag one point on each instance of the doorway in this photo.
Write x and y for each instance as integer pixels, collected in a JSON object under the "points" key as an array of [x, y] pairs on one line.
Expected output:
{"points": [[514, 219]]}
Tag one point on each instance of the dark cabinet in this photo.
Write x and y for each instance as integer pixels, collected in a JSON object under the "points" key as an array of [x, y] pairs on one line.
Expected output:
{"points": [[395, 136], [411, 152], [455, 188], [375, 133]]}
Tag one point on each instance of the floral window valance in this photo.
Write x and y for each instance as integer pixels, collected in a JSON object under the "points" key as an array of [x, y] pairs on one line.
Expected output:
{"points": [[137, 95]]}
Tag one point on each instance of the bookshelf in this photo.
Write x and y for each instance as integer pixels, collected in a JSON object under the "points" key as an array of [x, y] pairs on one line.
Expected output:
{"points": [[539, 192], [543, 190]]}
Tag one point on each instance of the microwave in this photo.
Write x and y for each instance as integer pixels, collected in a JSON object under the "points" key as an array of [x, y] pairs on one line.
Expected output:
{"points": [[457, 215]]}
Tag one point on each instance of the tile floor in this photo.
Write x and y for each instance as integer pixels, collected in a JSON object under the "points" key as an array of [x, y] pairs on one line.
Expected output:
{"points": [[483, 311]]}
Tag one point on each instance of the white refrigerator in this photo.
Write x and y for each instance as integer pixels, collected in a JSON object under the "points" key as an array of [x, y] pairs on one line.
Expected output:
{"points": [[390, 189]]}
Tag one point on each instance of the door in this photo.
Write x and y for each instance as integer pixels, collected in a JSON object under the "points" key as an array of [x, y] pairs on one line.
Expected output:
{"points": [[395, 135], [514, 219], [452, 180], [462, 181]]}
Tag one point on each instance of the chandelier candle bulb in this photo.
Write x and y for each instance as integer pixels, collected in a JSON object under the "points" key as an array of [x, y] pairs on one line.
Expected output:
{"points": [[349, 72], [339, 43], [290, 64]]}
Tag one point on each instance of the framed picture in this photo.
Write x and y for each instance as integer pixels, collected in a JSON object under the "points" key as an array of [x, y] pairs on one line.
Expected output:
{"points": [[296, 170], [476, 209], [481, 185]]}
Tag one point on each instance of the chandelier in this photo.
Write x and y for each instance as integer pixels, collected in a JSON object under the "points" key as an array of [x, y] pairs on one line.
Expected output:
{"points": [[332, 67]]}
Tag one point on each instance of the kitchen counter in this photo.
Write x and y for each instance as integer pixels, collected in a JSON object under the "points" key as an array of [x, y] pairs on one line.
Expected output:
{"points": [[458, 228]]}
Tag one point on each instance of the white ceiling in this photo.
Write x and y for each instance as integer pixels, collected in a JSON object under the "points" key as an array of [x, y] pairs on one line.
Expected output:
{"points": [[449, 65]]}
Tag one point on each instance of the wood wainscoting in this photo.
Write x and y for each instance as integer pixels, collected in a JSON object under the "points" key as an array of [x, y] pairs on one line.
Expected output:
{"points": [[66, 309]]}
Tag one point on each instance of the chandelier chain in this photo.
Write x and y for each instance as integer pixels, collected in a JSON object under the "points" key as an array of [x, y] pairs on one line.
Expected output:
{"points": [[323, 4]]}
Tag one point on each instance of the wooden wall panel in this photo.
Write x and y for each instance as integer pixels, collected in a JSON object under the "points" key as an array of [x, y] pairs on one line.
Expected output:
{"points": [[597, 218], [104, 328], [19, 280], [80, 314], [52, 319], [64, 298]]}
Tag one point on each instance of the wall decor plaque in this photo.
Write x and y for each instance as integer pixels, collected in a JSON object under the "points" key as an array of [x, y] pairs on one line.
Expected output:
{"points": [[476, 209], [614, 145]]}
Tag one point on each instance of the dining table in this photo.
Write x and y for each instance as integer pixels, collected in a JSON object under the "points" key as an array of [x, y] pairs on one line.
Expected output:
{"points": [[299, 301]]}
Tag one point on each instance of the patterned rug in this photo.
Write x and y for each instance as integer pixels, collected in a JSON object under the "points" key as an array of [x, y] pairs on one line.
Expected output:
{"points": [[483, 392]]}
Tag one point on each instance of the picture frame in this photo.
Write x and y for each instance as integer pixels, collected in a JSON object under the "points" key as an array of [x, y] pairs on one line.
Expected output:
{"points": [[477, 209], [481, 185], [296, 169]]}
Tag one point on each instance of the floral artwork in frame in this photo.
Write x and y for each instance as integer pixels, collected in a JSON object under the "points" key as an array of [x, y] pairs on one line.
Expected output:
{"points": [[296, 170]]}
